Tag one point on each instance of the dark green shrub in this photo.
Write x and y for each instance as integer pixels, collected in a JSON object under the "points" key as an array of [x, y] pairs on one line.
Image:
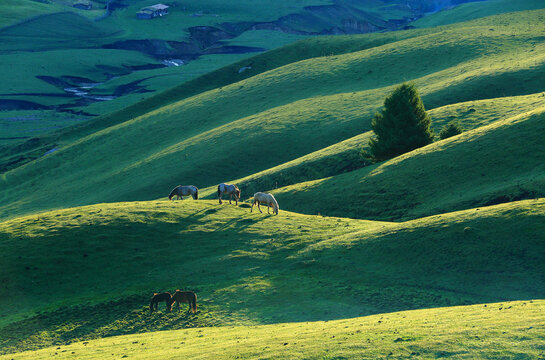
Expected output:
{"points": [[451, 129], [401, 126]]}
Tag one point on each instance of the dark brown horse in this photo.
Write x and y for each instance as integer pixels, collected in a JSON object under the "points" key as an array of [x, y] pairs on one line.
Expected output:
{"points": [[160, 297], [185, 297]]}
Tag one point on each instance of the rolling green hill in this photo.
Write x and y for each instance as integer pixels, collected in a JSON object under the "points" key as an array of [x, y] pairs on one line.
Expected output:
{"points": [[192, 40], [497, 163], [346, 155], [508, 330], [106, 259], [475, 10], [453, 229], [13, 12], [203, 139]]}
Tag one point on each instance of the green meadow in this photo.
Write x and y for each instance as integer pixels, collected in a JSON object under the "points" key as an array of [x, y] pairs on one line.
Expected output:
{"points": [[512, 330], [50, 38], [203, 138], [283, 268], [436, 253]]}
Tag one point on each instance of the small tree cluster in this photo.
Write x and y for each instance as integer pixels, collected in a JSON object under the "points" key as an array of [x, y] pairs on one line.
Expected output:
{"points": [[451, 129], [401, 126]]}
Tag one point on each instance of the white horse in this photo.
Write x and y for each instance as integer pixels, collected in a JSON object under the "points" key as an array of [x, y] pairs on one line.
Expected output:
{"points": [[180, 191], [264, 198], [228, 189]]}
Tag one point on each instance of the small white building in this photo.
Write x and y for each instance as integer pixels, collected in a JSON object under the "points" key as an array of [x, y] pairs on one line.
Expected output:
{"points": [[153, 11]]}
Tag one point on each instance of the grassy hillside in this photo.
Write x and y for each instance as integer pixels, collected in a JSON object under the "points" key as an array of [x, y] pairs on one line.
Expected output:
{"points": [[199, 139], [18, 11], [229, 74], [87, 235], [278, 266], [346, 155], [475, 10], [496, 163], [190, 34], [55, 64], [508, 330]]}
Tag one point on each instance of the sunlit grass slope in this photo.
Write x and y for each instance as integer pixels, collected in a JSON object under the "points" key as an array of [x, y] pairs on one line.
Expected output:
{"points": [[474, 10], [229, 74], [346, 155], [508, 330], [492, 164], [60, 26], [247, 268], [243, 128]]}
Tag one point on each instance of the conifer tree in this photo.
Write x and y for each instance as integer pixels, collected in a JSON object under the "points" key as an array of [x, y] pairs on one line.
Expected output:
{"points": [[451, 129], [401, 126]]}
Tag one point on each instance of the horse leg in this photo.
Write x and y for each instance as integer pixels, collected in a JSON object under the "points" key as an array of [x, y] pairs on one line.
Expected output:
{"points": [[268, 207], [259, 207], [230, 197], [253, 203], [236, 200], [219, 197]]}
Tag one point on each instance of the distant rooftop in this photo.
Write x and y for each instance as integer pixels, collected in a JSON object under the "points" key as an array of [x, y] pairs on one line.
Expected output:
{"points": [[158, 7]]}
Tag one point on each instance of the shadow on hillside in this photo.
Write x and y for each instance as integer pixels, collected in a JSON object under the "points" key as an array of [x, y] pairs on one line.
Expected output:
{"points": [[117, 317], [509, 83], [244, 276]]}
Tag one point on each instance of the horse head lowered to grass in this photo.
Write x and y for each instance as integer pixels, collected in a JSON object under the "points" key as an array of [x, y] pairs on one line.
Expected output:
{"points": [[160, 297], [180, 191], [188, 297], [264, 198]]}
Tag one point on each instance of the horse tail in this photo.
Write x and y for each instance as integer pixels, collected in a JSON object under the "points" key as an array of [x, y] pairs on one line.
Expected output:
{"points": [[194, 303], [219, 191], [196, 197]]}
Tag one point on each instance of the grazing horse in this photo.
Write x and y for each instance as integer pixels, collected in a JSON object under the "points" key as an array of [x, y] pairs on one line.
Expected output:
{"points": [[228, 189], [160, 297], [264, 198], [185, 297], [180, 191]]}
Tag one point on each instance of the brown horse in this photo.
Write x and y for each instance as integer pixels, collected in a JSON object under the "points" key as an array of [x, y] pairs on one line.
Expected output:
{"points": [[185, 297], [160, 297]]}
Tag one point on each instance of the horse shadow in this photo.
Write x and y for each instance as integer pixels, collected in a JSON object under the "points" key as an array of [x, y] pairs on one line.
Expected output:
{"points": [[239, 225]]}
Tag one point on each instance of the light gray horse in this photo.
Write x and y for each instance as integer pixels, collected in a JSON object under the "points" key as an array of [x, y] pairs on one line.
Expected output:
{"points": [[228, 189], [180, 191], [264, 198]]}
